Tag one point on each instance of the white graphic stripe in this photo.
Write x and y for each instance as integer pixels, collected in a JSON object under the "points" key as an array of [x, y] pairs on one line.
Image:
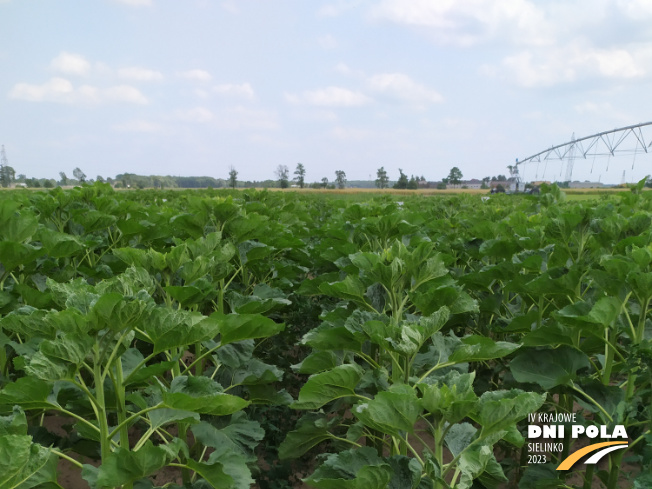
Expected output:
{"points": [[595, 458]]}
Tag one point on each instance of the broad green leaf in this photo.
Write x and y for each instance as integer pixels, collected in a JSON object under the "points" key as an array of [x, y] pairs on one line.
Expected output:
{"points": [[23, 464], [317, 362], [14, 254], [604, 312], [641, 284], [186, 295], [500, 410], [550, 367], [459, 437], [609, 397], [234, 465], [406, 472], [268, 394], [450, 397], [169, 329], [59, 245], [351, 288], [29, 323], [257, 372], [68, 347], [234, 355], [263, 299], [326, 386], [16, 224], [164, 416], [14, 424], [327, 336], [541, 477], [390, 411], [46, 368], [201, 395], [123, 466], [311, 430], [134, 371], [552, 333], [480, 462], [28, 393], [240, 435], [212, 473], [75, 294], [358, 468], [477, 348], [238, 327]]}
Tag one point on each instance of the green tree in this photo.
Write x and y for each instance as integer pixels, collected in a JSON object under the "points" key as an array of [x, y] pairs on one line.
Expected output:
{"points": [[63, 178], [455, 176], [233, 177], [413, 184], [402, 181], [382, 180], [7, 175], [282, 174], [324, 182], [300, 173], [340, 179], [79, 175]]}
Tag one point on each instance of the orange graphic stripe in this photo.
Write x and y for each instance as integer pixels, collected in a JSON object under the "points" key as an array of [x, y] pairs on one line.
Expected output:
{"points": [[574, 457]]}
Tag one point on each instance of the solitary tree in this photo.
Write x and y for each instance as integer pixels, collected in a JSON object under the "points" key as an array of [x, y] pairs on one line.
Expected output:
{"points": [[324, 182], [79, 175], [402, 181], [300, 173], [7, 175], [413, 184], [282, 173], [455, 176], [382, 180], [63, 178], [233, 177], [340, 179]]}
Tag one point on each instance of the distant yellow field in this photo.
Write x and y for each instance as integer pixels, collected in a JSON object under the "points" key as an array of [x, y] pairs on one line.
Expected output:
{"points": [[432, 191]]}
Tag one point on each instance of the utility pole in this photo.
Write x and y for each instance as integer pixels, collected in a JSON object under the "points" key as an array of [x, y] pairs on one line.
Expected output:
{"points": [[3, 157]]}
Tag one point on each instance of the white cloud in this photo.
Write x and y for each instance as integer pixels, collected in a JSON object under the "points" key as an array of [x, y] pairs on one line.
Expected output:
{"points": [[71, 64], [138, 126], [55, 90], [61, 90], [636, 9], [327, 42], [471, 21], [243, 90], [245, 118], [338, 8], [136, 73], [196, 75], [198, 114], [575, 62], [329, 97], [136, 3], [594, 108], [230, 7], [400, 86], [124, 93]]}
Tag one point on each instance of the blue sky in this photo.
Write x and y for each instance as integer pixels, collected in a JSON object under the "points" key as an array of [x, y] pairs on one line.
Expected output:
{"points": [[192, 87]]}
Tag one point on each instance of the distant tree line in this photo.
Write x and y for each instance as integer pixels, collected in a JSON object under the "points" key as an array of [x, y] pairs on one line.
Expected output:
{"points": [[282, 173]]}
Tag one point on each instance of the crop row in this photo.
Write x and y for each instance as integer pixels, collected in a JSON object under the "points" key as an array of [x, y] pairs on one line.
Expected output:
{"points": [[216, 337]]}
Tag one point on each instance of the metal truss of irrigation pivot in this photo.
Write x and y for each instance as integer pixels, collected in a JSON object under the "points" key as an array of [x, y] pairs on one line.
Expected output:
{"points": [[606, 143]]}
